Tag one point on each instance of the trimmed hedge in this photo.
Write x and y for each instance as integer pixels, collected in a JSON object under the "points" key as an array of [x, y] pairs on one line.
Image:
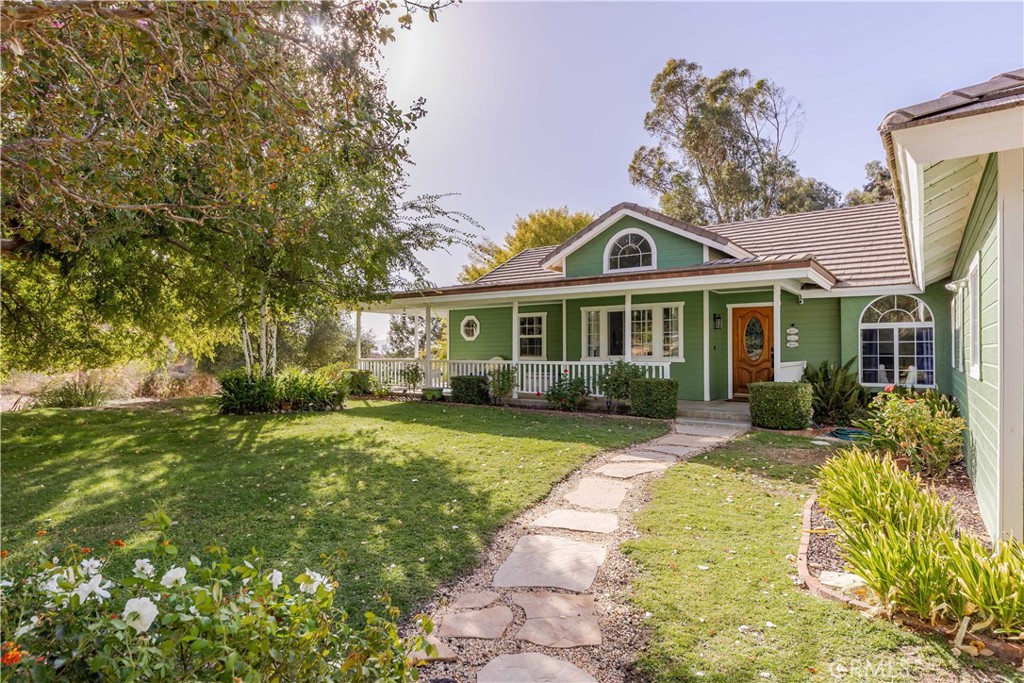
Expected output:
{"points": [[470, 389], [653, 398], [780, 405]]}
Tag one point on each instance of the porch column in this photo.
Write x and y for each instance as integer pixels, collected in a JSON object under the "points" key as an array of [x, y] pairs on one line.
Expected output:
{"points": [[627, 342], [515, 344], [428, 351], [415, 335], [359, 337], [777, 327], [565, 356]]}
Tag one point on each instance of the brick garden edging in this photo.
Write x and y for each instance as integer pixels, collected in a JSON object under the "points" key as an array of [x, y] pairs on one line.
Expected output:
{"points": [[1011, 653]]}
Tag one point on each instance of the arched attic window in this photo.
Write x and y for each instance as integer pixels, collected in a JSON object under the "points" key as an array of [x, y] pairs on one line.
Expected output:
{"points": [[630, 250], [897, 342]]}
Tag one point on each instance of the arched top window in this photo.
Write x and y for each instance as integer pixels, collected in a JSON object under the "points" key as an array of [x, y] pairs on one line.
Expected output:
{"points": [[896, 308], [630, 250], [897, 342]]}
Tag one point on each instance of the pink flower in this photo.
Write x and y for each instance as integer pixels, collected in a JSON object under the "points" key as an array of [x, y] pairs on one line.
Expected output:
{"points": [[889, 388]]}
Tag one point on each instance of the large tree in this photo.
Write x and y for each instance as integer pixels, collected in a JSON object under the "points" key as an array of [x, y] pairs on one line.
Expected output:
{"points": [[179, 170], [723, 148], [407, 336], [877, 189], [536, 229]]}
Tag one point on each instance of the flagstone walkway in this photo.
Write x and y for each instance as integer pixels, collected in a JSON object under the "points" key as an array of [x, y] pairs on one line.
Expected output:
{"points": [[534, 611]]}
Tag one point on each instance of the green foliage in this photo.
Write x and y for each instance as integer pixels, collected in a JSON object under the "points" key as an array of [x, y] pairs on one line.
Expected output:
{"points": [[242, 393], [83, 391], [780, 405], [567, 393], [923, 430], [877, 189], [654, 398], [170, 618], [537, 229], [616, 379], [503, 381], [722, 146], [411, 375], [470, 389], [901, 540], [360, 382], [837, 395]]}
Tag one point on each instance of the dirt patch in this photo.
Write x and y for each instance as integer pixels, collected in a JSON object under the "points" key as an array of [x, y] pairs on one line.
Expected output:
{"points": [[955, 486]]}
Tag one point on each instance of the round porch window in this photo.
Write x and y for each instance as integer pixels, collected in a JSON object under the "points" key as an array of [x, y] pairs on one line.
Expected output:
{"points": [[753, 339], [470, 328]]}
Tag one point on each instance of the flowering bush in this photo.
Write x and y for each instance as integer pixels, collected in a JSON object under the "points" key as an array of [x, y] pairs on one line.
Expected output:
{"points": [[567, 393], [925, 432], [170, 619]]}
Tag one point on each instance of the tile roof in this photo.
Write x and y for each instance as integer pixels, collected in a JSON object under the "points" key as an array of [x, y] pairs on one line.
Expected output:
{"points": [[861, 245], [523, 267], [1000, 92]]}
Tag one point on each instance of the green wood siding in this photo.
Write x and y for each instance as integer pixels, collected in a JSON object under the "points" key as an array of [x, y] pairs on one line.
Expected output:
{"points": [[673, 251], [495, 338], [818, 322], [979, 398]]}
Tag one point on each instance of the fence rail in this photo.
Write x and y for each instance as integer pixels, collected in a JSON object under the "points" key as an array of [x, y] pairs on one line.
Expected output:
{"points": [[533, 375]]}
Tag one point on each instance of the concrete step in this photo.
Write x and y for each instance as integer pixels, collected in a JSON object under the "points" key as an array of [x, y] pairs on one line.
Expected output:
{"points": [[713, 414]]}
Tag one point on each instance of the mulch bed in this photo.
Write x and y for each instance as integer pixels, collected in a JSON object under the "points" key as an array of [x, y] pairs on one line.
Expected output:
{"points": [[823, 552]]}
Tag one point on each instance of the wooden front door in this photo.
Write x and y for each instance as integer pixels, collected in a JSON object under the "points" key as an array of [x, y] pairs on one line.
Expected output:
{"points": [[752, 351]]}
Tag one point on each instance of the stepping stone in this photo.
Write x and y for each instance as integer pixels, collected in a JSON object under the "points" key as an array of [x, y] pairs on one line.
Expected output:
{"points": [[549, 561], [677, 451], [444, 653], [628, 470], [532, 667], [842, 581], [474, 600], [598, 522], [687, 440], [645, 456], [723, 431], [598, 493], [558, 620], [487, 623]]}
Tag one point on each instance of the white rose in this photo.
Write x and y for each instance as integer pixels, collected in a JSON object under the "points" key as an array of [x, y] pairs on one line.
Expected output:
{"points": [[139, 613], [143, 569], [275, 577], [175, 576]]}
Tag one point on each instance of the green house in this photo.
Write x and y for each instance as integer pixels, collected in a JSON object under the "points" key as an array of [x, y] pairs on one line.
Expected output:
{"points": [[924, 291]]}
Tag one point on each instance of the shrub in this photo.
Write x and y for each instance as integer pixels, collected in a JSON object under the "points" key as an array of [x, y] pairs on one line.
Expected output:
{"points": [[567, 393], [654, 398], [160, 384], [837, 396], [242, 393], [936, 401], [906, 426], [780, 405], [171, 619], [84, 391], [470, 389], [616, 379], [504, 381], [411, 375], [300, 390], [901, 540], [360, 382]]}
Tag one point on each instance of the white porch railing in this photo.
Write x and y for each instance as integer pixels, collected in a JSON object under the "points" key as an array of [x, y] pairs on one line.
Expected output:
{"points": [[534, 375]]}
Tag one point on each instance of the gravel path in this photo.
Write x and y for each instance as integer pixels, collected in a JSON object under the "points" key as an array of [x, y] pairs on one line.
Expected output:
{"points": [[569, 618]]}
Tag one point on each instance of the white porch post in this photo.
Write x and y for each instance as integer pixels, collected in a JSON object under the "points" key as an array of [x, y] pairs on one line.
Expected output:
{"points": [[706, 310], [515, 343], [777, 327], [359, 337], [627, 333], [415, 336], [428, 351], [564, 346]]}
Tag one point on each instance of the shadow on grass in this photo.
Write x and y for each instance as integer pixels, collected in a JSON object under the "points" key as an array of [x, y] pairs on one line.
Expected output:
{"points": [[772, 455]]}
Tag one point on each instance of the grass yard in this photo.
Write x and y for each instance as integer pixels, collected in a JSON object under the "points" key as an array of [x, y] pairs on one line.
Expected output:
{"points": [[716, 578], [409, 491]]}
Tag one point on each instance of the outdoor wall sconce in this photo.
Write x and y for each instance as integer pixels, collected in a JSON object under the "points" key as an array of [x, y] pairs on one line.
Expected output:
{"points": [[718, 321]]}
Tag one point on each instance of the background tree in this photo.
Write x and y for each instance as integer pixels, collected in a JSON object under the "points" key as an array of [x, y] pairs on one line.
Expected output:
{"points": [[877, 189], [173, 171], [537, 229], [407, 336], [723, 146]]}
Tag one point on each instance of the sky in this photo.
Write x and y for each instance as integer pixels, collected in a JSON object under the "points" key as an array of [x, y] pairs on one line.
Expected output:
{"points": [[538, 105]]}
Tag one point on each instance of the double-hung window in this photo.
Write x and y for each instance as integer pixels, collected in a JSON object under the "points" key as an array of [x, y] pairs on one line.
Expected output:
{"points": [[531, 336], [652, 332]]}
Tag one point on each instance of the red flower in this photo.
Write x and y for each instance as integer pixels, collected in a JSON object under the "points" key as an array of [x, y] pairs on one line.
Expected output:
{"points": [[12, 654], [3, 554], [41, 532], [889, 389], [538, 393], [86, 551], [117, 543]]}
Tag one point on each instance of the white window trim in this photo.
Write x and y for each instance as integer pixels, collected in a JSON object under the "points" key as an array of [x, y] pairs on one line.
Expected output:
{"points": [[974, 308], [543, 334], [615, 238], [861, 326], [462, 328], [955, 333], [658, 331]]}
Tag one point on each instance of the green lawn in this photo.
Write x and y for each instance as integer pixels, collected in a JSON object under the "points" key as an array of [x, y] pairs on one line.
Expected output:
{"points": [[715, 573], [409, 491]]}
